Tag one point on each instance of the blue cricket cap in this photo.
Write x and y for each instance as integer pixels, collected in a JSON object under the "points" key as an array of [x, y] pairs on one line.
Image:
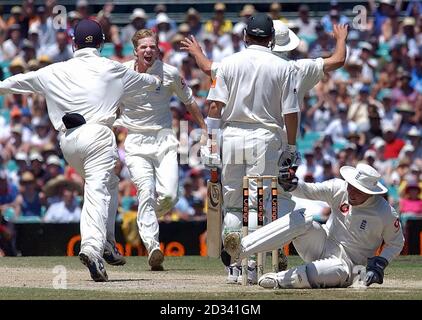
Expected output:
{"points": [[88, 34]]}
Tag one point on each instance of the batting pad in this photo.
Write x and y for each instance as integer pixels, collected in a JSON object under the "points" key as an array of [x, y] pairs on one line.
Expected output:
{"points": [[276, 234]]}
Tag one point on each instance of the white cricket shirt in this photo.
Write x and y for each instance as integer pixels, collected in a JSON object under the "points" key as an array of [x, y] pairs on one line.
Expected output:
{"points": [[86, 84], [146, 111], [256, 87], [359, 229], [310, 72]]}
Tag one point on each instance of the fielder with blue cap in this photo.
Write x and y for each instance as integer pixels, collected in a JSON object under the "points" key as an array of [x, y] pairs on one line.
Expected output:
{"points": [[83, 94]]}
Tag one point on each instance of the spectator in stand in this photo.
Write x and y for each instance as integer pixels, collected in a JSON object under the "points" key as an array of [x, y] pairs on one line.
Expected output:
{"points": [[414, 138], [309, 165], [28, 202], [160, 8], [404, 92], [53, 167], [340, 128], [411, 203], [386, 9], [218, 25], [12, 46], [393, 145], [65, 211], [138, 20], [47, 33], [193, 19], [275, 12], [73, 19], [306, 25], [333, 17], [110, 30], [163, 28], [42, 134], [358, 111], [62, 50], [37, 167], [82, 7], [407, 114]]}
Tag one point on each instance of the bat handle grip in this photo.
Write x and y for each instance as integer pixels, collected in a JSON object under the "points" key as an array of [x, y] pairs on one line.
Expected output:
{"points": [[214, 175]]}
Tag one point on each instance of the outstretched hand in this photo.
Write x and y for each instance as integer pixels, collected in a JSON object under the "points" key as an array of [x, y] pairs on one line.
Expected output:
{"points": [[340, 31], [191, 46]]}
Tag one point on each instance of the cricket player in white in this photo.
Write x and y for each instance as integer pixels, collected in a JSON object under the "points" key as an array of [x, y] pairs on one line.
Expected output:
{"points": [[360, 221], [256, 89], [151, 145], [82, 96], [309, 73]]}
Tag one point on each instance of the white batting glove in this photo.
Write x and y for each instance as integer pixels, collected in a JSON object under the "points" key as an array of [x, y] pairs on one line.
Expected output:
{"points": [[210, 160]]}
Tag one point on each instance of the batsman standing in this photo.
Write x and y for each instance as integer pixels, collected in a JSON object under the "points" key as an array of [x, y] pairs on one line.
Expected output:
{"points": [[151, 145], [82, 96], [256, 89], [310, 72]]}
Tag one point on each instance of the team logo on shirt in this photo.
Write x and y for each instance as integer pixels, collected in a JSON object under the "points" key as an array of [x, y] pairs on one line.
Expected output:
{"points": [[344, 208], [363, 224], [182, 81], [214, 82]]}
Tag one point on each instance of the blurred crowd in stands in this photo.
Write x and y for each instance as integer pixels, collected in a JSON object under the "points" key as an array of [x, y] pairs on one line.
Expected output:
{"points": [[370, 110]]}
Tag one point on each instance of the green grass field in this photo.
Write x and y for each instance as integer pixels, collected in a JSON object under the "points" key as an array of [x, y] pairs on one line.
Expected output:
{"points": [[184, 278]]}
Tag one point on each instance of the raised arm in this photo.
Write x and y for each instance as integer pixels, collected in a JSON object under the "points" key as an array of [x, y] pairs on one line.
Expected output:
{"points": [[192, 46], [338, 58], [133, 81], [22, 83]]}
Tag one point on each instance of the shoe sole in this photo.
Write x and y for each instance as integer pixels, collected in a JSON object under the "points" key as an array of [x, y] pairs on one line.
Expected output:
{"points": [[156, 260], [232, 245], [95, 274]]}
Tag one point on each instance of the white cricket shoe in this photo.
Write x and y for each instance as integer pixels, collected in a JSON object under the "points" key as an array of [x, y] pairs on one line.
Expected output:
{"points": [[269, 281], [112, 255], [231, 244], [95, 266], [233, 274], [155, 259]]}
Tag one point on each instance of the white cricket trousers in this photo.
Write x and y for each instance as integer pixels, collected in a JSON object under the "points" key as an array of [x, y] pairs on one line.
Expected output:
{"points": [[91, 149], [151, 158], [327, 264], [247, 149]]}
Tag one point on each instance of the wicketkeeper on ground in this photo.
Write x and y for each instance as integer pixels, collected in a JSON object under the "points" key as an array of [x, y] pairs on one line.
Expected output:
{"points": [[361, 221]]}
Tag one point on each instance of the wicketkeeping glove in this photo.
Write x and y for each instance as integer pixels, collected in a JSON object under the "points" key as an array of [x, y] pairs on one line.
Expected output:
{"points": [[375, 270], [289, 158], [287, 178]]}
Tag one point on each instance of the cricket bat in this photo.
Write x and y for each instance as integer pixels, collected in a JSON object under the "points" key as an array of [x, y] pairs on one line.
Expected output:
{"points": [[214, 215]]}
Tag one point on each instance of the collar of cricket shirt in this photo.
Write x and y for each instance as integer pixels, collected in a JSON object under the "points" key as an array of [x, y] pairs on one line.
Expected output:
{"points": [[154, 67], [86, 52], [260, 48]]}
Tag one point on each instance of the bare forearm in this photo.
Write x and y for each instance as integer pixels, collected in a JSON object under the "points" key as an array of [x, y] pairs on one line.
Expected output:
{"points": [[203, 63], [197, 115], [291, 120], [338, 58]]}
